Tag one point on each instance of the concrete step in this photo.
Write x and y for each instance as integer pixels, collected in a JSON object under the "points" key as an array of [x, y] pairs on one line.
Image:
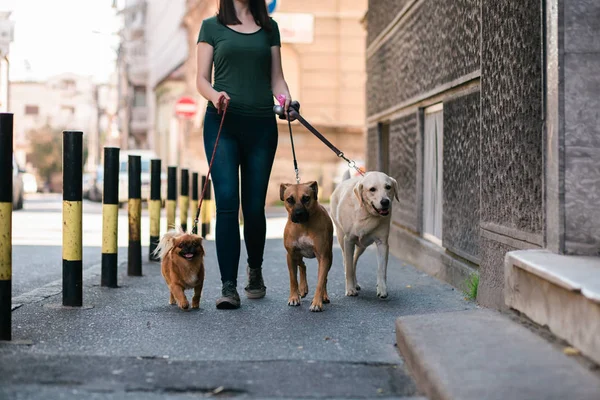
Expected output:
{"points": [[558, 291], [482, 354]]}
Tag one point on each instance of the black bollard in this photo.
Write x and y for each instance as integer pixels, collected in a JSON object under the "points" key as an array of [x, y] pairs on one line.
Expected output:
{"points": [[134, 259], [184, 199], [154, 207], [72, 218], [110, 217], [171, 197], [6, 190], [206, 211], [194, 200]]}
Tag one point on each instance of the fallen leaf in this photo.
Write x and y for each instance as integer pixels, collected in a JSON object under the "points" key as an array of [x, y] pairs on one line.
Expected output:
{"points": [[380, 390], [218, 390], [408, 286], [571, 351], [327, 338]]}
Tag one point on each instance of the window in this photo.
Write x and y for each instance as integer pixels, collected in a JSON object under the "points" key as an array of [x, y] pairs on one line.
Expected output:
{"points": [[383, 133], [32, 110], [433, 139], [139, 96]]}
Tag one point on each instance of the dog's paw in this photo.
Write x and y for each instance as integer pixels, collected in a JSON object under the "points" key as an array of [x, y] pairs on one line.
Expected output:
{"points": [[303, 291], [357, 287], [184, 306], [326, 299], [351, 292], [172, 300], [294, 301], [195, 304], [382, 293], [316, 307]]}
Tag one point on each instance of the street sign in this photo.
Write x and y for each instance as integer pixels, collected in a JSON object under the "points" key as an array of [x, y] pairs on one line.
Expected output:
{"points": [[186, 107], [272, 5]]}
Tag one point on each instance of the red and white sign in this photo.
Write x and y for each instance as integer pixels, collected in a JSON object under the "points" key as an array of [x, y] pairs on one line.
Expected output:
{"points": [[186, 107]]}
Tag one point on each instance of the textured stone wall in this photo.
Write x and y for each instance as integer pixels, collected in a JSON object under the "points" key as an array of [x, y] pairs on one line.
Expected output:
{"points": [[511, 130], [461, 175], [582, 126], [372, 149], [381, 14], [403, 168], [437, 43]]}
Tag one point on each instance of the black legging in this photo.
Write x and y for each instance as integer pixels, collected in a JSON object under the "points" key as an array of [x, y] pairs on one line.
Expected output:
{"points": [[247, 144]]}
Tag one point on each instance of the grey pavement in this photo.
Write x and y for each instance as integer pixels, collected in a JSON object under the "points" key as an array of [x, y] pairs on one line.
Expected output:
{"points": [[129, 343]]}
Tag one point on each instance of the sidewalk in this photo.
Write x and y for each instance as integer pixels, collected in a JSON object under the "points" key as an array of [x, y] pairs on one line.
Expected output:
{"points": [[132, 344]]}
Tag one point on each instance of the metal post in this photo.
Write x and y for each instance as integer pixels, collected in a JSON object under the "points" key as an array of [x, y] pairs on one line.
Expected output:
{"points": [[6, 191], [194, 200], [110, 217], [205, 213], [171, 197], [72, 218], [154, 207], [184, 199], [134, 260]]}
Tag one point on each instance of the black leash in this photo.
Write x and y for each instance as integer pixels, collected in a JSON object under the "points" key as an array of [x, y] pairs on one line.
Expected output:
{"points": [[294, 111]]}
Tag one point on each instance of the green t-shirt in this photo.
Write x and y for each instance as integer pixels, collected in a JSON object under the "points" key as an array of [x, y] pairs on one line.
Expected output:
{"points": [[242, 65]]}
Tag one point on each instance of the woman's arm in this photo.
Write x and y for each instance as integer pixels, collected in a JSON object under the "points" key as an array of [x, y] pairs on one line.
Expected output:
{"points": [[278, 83], [204, 52]]}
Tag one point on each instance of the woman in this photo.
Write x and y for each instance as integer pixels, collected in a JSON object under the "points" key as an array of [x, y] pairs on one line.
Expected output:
{"points": [[243, 43]]}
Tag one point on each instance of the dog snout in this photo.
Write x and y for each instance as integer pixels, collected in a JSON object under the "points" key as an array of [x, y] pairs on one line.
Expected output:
{"points": [[385, 203], [300, 214]]}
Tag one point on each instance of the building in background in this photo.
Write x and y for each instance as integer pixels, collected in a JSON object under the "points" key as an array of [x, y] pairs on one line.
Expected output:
{"points": [[63, 102], [134, 121], [486, 113], [6, 37]]}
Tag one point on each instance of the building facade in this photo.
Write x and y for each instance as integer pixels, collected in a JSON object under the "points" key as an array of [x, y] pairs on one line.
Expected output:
{"points": [[133, 73], [65, 102], [7, 27], [486, 112]]}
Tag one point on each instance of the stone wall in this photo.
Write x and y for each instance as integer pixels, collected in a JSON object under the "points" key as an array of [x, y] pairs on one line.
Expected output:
{"points": [[582, 126]]}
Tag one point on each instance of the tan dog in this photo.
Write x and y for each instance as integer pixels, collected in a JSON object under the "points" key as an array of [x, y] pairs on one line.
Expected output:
{"points": [[308, 234], [361, 210], [182, 266]]}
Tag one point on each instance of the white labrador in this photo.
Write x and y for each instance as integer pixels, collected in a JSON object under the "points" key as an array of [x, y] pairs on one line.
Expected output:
{"points": [[361, 210]]}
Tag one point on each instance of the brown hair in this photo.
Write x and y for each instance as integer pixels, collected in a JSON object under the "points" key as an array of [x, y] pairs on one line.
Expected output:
{"points": [[227, 15]]}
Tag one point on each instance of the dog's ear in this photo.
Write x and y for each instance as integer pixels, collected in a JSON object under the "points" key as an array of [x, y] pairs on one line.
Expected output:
{"points": [[395, 185], [358, 188], [315, 187], [282, 188]]}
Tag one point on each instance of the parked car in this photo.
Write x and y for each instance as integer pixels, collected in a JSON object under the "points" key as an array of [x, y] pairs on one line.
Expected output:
{"points": [[146, 156], [18, 186], [30, 183], [96, 184]]}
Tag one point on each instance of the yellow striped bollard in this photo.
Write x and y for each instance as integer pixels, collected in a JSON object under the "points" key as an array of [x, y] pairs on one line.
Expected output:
{"points": [[72, 218], [6, 190], [110, 217], [171, 197], [184, 199], [154, 207], [134, 259], [206, 211]]}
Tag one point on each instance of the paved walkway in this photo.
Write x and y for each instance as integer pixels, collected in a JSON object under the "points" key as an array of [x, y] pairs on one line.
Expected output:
{"points": [[132, 344]]}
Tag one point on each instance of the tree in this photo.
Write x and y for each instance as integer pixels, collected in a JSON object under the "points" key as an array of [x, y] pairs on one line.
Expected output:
{"points": [[46, 151]]}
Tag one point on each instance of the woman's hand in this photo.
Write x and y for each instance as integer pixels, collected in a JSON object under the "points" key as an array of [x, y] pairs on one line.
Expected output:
{"points": [[286, 107], [218, 99]]}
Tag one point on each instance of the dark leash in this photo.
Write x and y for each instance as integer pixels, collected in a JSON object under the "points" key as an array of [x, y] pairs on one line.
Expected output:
{"points": [[223, 102], [294, 111]]}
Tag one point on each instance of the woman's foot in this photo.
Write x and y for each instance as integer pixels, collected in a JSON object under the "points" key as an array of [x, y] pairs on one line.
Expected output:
{"points": [[230, 299], [256, 288]]}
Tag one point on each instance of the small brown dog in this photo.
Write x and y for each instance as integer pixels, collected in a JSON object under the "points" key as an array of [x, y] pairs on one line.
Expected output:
{"points": [[308, 234], [182, 266]]}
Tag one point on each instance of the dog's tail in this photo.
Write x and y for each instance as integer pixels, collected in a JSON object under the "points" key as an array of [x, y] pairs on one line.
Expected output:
{"points": [[166, 243]]}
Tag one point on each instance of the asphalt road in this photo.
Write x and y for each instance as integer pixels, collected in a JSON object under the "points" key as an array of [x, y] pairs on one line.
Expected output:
{"points": [[129, 343]]}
